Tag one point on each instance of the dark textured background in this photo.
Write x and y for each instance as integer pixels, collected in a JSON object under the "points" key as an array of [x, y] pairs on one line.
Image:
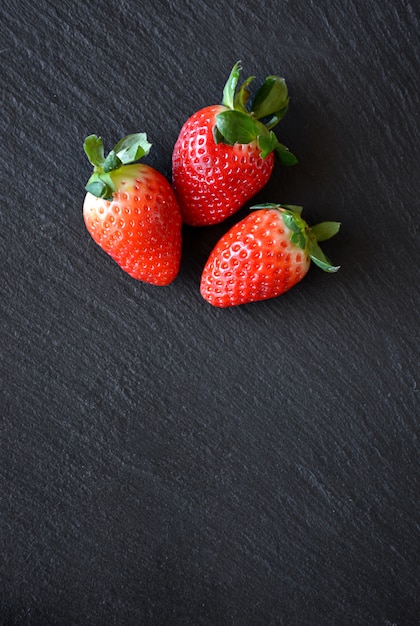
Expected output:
{"points": [[164, 462]]}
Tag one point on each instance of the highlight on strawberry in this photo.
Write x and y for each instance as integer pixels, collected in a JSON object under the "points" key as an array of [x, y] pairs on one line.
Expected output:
{"points": [[264, 255], [131, 211], [224, 153]]}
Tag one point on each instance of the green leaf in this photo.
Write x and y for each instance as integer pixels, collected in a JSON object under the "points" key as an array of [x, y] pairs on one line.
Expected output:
{"points": [[271, 97], [319, 258], [325, 230], [112, 162], [267, 143], [230, 86], [236, 127], [242, 96], [132, 148], [286, 157], [94, 148]]}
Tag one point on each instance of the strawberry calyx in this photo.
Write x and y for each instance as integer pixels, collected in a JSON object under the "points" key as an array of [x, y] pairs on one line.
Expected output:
{"points": [[242, 122], [127, 151], [304, 236]]}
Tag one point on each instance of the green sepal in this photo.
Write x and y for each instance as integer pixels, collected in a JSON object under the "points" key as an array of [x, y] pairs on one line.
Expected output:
{"points": [[94, 148], [242, 96], [98, 188], [267, 143], [299, 240], [318, 257], [112, 162], [325, 230], [285, 156], [236, 127], [101, 186], [240, 124], [290, 220], [276, 118], [230, 86], [217, 135], [271, 98], [294, 208], [128, 150], [265, 205], [302, 235], [132, 148]]}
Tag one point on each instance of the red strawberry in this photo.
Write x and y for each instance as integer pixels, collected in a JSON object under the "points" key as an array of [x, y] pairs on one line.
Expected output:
{"points": [[264, 255], [224, 154], [131, 211]]}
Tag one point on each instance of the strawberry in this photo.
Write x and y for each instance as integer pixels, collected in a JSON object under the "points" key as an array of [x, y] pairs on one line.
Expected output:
{"points": [[224, 153], [131, 211], [264, 255]]}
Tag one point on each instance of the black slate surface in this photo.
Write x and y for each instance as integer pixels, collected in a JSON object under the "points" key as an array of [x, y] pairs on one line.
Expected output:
{"points": [[164, 462]]}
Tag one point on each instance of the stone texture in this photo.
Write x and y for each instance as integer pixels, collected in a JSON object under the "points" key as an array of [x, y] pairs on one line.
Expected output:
{"points": [[163, 462]]}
